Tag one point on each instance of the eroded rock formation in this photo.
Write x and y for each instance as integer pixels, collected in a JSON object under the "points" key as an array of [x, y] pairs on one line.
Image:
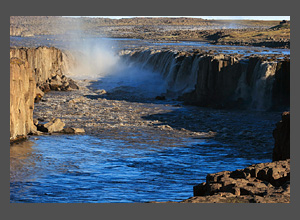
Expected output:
{"points": [[220, 80], [48, 63], [34, 71], [264, 182], [22, 90]]}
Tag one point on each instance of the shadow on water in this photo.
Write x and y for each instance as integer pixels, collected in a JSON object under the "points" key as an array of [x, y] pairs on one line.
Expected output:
{"points": [[23, 160], [250, 132]]}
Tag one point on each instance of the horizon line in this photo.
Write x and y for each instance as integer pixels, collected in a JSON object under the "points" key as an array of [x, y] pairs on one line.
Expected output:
{"points": [[265, 18]]}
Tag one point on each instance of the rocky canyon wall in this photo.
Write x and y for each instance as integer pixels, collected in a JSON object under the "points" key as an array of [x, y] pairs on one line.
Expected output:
{"points": [[22, 90], [45, 61], [222, 81], [34, 71]]}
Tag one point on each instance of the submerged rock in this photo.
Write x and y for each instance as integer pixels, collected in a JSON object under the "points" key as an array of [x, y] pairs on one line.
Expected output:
{"points": [[101, 92], [70, 130]]}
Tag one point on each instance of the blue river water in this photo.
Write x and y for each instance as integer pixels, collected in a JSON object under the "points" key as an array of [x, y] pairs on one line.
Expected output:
{"points": [[87, 169]]}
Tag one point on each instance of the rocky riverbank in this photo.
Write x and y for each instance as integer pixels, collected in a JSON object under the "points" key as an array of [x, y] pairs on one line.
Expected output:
{"points": [[258, 183], [33, 72]]}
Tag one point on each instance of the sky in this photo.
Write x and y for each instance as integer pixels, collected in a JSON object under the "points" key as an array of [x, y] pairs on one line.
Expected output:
{"points": [[209, 17]]}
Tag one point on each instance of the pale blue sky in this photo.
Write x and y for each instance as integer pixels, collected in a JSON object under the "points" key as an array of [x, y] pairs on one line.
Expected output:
{"points": [[209, 17]]}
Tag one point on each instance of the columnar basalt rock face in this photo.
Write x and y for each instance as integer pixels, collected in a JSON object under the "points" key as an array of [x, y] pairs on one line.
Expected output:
{"points": [[217, 80], [45, 61], [22, 90], [222, 81], [50, 65], [34, 71], [281, 135]]}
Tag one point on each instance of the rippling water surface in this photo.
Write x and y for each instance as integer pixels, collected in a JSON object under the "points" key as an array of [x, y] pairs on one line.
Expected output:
{"points": [[82, 168]]}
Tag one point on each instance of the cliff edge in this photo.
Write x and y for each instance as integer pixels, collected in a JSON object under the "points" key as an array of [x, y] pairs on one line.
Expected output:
{"points": [[22, 90], [34, 71]]}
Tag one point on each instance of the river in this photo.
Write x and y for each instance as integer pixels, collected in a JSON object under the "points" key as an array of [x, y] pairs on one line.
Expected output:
{"points": [[135, 149]]}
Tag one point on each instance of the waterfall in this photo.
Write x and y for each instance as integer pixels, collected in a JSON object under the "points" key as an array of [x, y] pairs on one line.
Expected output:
{"points": [[210, 80], [258, 92], [179, 74], [243, 90], [263, 80]]}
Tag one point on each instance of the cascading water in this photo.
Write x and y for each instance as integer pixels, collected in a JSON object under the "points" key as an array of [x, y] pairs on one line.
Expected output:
{"points": [[257, 92], [243, 90], [263, 80], [181, 74], [99, 62]]}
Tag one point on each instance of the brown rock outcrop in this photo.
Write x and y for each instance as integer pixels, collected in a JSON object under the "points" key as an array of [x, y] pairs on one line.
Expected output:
{"points": [[281, 135], [49, 65], [22, 90], [258, 183], [264, 182], [34, 71], [45, 61]]}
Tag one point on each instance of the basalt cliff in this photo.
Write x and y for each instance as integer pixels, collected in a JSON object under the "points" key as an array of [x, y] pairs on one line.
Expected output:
{"points": [[34, 71], [219, 80], [22, 90]]}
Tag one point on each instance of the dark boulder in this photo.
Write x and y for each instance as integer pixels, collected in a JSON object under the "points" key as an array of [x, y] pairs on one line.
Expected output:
{"points": [[281, 135]]}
